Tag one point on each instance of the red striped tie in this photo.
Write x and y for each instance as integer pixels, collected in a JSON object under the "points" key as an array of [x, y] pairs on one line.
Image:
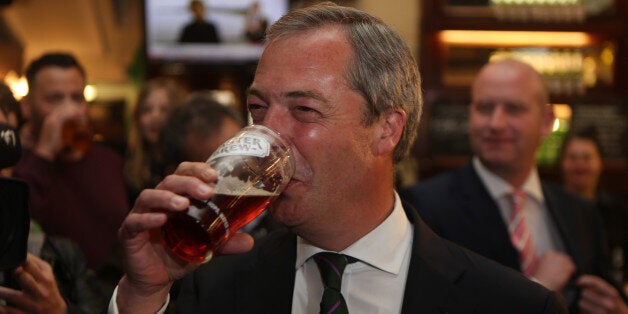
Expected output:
{"points": [[520, 235]]}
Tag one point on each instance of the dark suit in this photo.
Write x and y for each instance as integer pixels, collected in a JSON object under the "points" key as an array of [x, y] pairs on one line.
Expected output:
{"points": [[442, 278], [458, 207]]}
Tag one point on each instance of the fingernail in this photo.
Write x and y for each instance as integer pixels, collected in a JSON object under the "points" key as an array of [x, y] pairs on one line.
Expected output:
{"points": [[204, 189], [179, 201], [208, 174]]}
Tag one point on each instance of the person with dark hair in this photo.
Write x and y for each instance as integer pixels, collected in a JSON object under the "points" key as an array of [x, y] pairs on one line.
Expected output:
{"points": [[196, 129], [76, 191], [581, 166], [55, 277], [581, 162], [497, 205], [344, 90], [60, 59], [199, 30]]}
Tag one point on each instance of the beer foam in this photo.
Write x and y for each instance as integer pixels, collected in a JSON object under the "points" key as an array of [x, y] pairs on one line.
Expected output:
{"points": [[235, 186]]}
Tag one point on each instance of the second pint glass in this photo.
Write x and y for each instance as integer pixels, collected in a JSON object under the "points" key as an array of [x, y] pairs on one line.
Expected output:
{"points": [[253, 168], [76, 135]]}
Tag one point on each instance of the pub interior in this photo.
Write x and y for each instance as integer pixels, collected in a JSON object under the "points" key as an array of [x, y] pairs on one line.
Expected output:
{"points": [[580, 47]]}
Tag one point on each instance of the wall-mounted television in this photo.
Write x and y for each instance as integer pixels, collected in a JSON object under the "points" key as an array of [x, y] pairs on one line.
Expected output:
{"points": [[164, 21]]}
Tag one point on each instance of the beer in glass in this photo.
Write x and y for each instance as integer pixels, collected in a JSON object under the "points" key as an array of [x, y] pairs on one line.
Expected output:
{"points": [[253, 168]]}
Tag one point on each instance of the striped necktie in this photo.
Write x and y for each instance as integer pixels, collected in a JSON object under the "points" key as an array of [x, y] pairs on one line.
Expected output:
{"points": [[331, 266], [520, 235]]}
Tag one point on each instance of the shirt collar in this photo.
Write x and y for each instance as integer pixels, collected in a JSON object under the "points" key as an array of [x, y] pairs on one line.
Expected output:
{"points": [[383, 248], [498, 187]]}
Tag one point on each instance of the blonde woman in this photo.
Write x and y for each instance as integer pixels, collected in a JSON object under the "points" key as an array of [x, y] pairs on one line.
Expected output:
{"points": [[156, 100]]}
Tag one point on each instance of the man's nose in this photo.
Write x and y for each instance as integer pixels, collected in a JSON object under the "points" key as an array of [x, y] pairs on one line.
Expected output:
{"points": [[80, 107], [498, 117], [276, 118]]}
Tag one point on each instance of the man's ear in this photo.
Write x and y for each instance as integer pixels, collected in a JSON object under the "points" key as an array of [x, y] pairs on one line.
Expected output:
{"points": [[389, 131], [25, 107]]}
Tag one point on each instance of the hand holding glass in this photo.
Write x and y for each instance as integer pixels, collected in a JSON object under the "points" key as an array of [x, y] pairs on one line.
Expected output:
{"points": [[253, 168]]}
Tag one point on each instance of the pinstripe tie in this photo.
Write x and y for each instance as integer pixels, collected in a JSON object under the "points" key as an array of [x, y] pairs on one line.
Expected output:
{"points": [[520, 235], [331, 266]]}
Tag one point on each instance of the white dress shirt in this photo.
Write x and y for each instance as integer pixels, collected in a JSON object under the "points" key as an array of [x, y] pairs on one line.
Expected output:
{"points": [[374, 284], [543, 230]]}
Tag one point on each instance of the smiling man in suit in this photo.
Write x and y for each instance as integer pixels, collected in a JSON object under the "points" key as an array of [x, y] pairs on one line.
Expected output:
{"points": [[344, 89], [497, 206]]}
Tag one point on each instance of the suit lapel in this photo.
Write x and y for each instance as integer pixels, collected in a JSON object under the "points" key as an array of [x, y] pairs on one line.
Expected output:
{"points": [[267, 282], [559, 212], [487, 233], [432, 275]]}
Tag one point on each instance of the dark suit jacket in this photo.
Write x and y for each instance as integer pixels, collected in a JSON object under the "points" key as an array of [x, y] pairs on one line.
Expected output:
{"points": [[458, 207], [442, 278]]}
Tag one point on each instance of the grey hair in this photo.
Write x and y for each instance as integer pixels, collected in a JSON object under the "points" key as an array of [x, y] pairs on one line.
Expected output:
{"points": [[383, 69]]}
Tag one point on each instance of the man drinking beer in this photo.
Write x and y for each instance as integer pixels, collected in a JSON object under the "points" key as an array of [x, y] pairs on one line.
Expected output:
{"points": [[344, 89]]}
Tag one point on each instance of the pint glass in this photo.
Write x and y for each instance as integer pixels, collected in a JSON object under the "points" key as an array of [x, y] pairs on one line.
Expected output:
{"points": [[76, 135], [253, 168]]}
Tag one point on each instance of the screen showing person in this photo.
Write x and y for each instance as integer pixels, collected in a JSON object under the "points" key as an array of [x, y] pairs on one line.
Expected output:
{"points": [[208, 30]]}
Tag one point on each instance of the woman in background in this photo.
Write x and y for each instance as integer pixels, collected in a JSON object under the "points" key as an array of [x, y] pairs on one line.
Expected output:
{"points": [[581, 168], [143, 168]]}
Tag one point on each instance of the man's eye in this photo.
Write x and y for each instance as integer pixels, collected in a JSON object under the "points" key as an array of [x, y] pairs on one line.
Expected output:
{"points": [[305, 109], [78, 98], [484, 107], [55, 99], [306, 114], [515, 108], [255, 107], [257, 112]]}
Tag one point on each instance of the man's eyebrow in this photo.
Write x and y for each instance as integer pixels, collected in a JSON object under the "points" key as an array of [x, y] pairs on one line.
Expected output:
{"points": [[306, 94], [293, 94], [252, 91]]}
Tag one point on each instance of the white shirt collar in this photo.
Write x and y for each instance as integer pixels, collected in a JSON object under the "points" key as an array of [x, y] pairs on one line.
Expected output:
{"points": [[383, 248], [498, 187]]}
